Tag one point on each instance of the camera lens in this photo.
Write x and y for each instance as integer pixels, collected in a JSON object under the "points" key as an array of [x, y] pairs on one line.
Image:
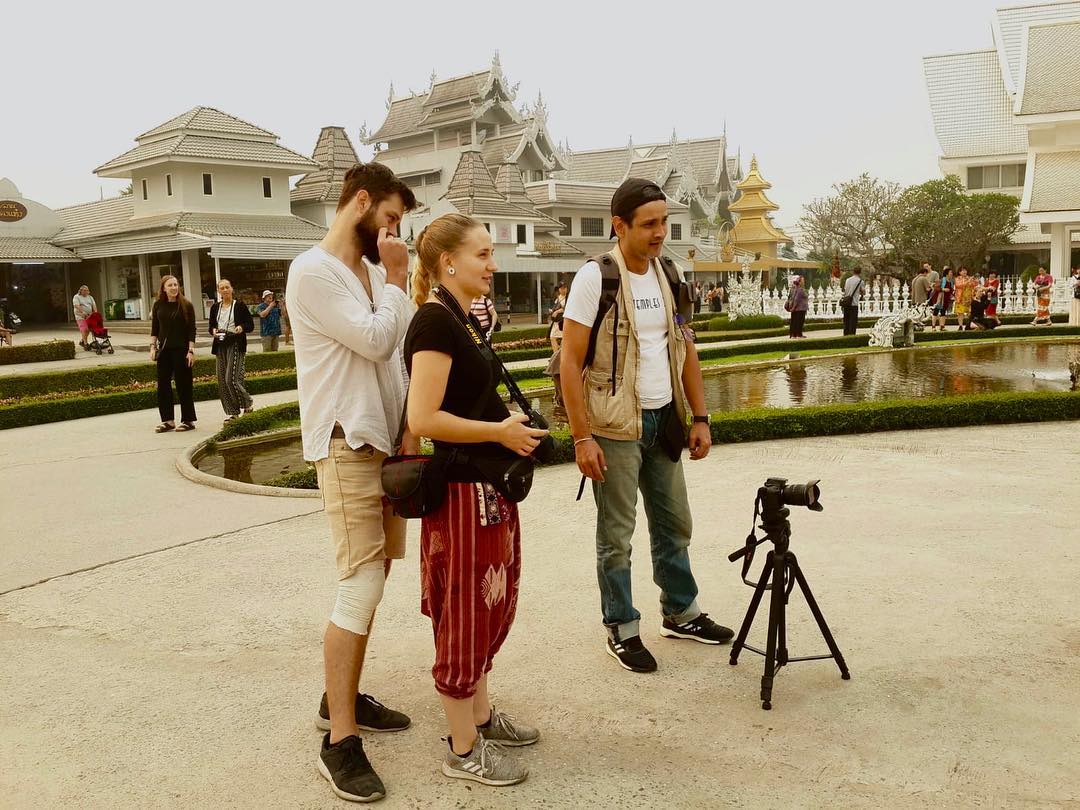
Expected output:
{"points": [[802, 494]]}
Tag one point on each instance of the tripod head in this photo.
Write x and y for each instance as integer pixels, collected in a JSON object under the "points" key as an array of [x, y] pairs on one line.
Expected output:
{"points": [[771, 503]]}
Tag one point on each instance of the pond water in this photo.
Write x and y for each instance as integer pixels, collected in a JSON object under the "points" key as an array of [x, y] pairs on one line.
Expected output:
{"points": [[911, 373]]}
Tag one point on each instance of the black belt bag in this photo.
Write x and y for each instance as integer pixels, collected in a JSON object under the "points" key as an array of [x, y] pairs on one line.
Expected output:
{"points": [[414, 485], [511, 477], [672, 434]]}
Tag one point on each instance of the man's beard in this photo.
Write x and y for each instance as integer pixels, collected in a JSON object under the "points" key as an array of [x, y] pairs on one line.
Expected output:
{"points": [[368, 234]]}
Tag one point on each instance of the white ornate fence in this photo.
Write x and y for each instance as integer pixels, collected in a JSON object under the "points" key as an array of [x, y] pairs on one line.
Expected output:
{"points": [[1014, 298]]}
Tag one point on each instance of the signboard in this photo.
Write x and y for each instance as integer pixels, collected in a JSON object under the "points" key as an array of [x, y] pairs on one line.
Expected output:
{"points": [[11, 211], [503, 233]]}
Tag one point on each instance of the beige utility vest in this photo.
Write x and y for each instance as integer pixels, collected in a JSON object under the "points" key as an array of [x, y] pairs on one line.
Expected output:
{"points": [[611, 382]]}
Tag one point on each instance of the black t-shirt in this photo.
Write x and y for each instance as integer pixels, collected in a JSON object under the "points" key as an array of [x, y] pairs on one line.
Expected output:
{"points": [[435, 328]]}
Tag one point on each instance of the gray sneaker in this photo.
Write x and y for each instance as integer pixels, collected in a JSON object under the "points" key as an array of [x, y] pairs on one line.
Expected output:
{"points": [[505, 730], [487, 764]]}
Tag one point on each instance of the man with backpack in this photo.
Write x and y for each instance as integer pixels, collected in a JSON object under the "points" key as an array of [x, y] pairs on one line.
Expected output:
{"points": [[849, 302], [628, 360]]}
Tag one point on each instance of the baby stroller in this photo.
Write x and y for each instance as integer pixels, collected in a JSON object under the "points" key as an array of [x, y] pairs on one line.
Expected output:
{"points": [[99, 335]]}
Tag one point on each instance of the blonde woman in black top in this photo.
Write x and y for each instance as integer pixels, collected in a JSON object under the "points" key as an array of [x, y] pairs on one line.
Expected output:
{"points": [[230, 322], [172, 347]]}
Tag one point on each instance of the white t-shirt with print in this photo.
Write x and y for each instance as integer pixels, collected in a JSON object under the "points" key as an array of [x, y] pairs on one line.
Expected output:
{"points": [[583, 302]]}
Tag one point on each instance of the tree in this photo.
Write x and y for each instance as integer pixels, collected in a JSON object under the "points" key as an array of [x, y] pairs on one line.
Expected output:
{"points": [[126, 190], [938, 221], [788, 252], [854, 221]]}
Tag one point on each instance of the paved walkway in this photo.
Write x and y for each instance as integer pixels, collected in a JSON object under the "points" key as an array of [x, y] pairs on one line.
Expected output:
{"points": [[188, 676]]}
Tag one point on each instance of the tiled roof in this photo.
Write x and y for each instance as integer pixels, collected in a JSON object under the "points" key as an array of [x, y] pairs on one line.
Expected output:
{"points": [[1054, 184], [456, 89], [702, 154], [1052, 74], [599, 166], [496, 150], [971, 109], [209, 119], [401, 119], [209, 149], [334, 152], [508, 183], [567, 193], [113, 217], [650, 169], [283, 226], [472, 191], [1009, 26], [33, 250]]}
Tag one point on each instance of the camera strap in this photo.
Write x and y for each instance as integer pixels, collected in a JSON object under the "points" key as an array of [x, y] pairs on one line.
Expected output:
{"points": [[472, 327], [751, 540]]}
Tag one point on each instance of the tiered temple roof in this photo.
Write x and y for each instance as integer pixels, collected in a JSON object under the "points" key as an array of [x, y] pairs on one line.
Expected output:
{"points": [[754, 224], [335, 154]]}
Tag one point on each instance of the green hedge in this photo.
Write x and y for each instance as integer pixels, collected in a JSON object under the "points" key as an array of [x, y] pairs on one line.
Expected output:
{"points": [[297, 479], [106, 377], [37, 352], [869, 417], [21, 414], [530, 332], [260, 421]]}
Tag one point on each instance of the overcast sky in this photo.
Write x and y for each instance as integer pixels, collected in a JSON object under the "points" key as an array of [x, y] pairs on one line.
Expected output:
{"points": [[820, 91]]}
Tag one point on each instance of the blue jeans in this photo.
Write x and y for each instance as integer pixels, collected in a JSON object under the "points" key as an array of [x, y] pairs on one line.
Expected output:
{"points": [[644, 465]]}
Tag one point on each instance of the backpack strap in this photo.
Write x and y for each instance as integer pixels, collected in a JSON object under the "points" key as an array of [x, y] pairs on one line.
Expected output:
{"points": [[609, 297], [681, 293]]}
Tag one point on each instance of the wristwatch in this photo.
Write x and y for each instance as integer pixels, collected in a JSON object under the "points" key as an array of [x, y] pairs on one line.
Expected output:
{"points": [[703, 420]]}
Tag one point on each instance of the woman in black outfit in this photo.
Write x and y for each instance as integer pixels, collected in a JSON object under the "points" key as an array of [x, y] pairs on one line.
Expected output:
{"points": [[172, 346], [230, 322]]}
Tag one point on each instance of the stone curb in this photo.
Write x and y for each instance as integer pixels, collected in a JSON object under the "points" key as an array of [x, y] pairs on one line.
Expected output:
{"points": [[186, 467]]}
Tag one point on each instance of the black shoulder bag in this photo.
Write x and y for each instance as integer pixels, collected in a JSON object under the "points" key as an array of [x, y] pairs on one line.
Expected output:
{"points": [[414, 485]]}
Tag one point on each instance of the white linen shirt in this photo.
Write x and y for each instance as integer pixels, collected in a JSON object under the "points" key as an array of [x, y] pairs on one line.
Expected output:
{"points": [[348, 352]]}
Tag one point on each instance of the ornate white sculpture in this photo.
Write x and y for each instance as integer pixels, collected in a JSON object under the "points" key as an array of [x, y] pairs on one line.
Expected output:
{"points": [[898, 329], [745, 295]]}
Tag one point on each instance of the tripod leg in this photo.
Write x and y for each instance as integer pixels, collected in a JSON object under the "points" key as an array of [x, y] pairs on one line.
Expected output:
{"points": [[748, 620], [776, 622], [822, 626]]}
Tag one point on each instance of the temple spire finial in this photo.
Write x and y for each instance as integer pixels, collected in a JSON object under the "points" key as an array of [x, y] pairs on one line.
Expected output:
{"points": [[390, 96]]}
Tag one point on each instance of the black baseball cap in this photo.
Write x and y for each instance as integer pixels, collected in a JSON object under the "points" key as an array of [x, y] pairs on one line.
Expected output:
{"points": [[631, 195]]}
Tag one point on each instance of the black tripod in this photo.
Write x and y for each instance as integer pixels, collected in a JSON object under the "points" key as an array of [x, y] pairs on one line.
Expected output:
{"points": [[783, 568]]}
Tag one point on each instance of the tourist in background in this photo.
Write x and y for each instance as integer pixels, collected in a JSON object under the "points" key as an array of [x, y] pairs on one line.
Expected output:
{"points": [[230, 322], [172, 347], [483, 309], [698, 295], [1074, 297], [269, 311], [83, 305], [965, 290], [797, 304], [849, 303], [932, 274], [993, 290], [555, 316], [921, 287], [1044, 285], [941, 299], [470, 547]]}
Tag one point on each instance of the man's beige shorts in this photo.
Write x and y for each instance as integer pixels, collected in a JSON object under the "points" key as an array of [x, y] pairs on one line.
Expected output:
{"points": [[362, 528]]}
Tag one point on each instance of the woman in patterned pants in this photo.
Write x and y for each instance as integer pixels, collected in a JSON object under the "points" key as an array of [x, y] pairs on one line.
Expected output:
{"points": [[230, 323]]}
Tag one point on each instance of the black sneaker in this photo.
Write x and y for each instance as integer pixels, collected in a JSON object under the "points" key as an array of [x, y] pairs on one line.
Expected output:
{"points": [[631, 654], [701, 629], [370, 716], [345, 766]]}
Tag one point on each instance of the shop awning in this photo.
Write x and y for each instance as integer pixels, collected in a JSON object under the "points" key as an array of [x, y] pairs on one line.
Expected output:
{"points": [[15, 249]]}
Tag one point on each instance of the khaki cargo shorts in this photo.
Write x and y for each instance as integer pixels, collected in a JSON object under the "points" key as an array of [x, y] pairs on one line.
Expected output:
{"points": [[362, 528]]}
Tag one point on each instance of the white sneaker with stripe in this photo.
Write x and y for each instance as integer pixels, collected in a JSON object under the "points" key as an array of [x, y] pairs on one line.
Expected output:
{"points": [[486, 764]]}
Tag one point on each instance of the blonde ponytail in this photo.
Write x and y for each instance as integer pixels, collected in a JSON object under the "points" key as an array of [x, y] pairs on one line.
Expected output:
{"points": [[442, 235]]}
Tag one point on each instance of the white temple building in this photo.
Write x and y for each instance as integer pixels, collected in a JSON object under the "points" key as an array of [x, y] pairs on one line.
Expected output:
{"points": [[1008, 120]]}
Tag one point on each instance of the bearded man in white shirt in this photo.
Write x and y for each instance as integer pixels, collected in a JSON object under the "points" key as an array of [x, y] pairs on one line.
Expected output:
{"points": [[349, 312]]}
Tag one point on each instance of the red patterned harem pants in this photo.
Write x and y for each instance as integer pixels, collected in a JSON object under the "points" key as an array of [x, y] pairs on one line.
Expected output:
{"points": [[470, 564]]}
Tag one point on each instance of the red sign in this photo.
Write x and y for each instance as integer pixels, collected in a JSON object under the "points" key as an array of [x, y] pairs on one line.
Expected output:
{"points": [[11, 211]]}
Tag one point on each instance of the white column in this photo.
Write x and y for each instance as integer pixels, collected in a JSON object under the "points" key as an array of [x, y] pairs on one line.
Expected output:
{"points": [[217, 271], [189, 276], [1060, 248], [539, 302], [145, 292]]}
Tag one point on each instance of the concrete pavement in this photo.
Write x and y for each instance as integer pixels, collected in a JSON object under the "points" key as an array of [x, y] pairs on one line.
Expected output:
{"points": [[188, 677]]}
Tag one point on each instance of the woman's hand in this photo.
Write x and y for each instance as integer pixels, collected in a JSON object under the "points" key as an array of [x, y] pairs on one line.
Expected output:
{"points": [[513, 434], [191, 358], [238, 329]]}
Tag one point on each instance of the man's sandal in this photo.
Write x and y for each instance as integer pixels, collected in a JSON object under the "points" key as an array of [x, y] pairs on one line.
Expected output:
{"points": [[164, 427]]}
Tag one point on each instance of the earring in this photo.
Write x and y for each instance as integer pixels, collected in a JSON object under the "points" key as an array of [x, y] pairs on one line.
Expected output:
{"points": [[451, 270]]}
